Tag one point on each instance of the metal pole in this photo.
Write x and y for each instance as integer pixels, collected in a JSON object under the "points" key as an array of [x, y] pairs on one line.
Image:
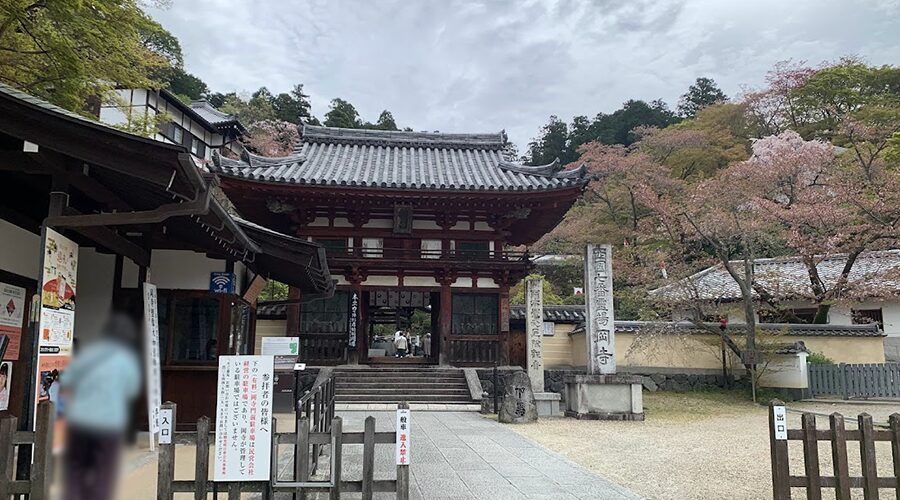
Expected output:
{"points": [[496, 391]]}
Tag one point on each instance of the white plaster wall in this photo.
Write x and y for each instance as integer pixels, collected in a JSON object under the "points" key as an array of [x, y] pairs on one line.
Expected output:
{"points": [[94, 291], [377, 224], [19, 250], [462, 283], [487, 283], [426, 224], [182, 270], [382, 281], [420, 281], [786, 371]]}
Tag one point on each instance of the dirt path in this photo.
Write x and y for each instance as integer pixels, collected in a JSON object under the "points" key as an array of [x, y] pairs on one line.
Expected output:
{"points": [[691, 446]]}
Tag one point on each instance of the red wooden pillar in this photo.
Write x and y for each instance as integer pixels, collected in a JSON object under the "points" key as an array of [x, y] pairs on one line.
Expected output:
{"points": [[292, 320], [504, 324], [445, 321]]}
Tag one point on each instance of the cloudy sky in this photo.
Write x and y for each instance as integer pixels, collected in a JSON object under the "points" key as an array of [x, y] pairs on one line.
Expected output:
{"points": [[474, 66]]}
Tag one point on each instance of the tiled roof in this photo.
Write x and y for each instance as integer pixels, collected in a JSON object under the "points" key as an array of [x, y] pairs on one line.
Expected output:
{"points": [[388, 159], [555, 314], [874, 274], [803, 330], [211, 114]]}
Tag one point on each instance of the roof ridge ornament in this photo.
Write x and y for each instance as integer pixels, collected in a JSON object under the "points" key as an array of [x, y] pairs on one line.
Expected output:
{"points": [[552, 169]]}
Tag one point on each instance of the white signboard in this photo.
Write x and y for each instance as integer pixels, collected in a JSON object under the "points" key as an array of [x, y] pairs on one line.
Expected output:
{"points": [[165, 426], [780, 418], [58, 294], [403, 422], [281, 346], [151, 350], [244, 418]]}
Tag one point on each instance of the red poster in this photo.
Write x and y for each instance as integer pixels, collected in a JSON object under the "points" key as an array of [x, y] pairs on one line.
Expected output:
{"points": [[12, 313], [50, 370]]}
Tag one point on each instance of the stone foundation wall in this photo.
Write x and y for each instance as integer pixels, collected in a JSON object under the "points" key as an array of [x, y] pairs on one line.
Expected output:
{"points": [[486, 377], [554, 381]]}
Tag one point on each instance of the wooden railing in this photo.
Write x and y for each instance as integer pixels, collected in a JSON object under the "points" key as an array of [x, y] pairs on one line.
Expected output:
{"points": [[424, 254], [876, 380], [37, 485], [838, 436], [323, 349], [317, 408], [474, 350]]}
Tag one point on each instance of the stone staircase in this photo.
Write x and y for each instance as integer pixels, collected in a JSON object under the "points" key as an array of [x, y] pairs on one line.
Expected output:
{"points": [[381, 388]]}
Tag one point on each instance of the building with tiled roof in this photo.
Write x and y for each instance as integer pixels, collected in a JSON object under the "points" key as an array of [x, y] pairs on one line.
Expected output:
{"points": [[422, 221]]}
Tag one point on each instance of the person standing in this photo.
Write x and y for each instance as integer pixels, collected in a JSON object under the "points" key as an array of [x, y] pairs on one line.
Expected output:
{"points": [[426, 344], [402, 344], [100, 385]]}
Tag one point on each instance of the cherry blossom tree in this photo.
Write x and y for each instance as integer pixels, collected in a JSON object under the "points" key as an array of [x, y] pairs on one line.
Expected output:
{"points": [[272, 138]]}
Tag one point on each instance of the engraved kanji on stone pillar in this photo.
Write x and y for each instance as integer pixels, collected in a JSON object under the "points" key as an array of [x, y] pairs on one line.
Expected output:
{"points": [[600, 330], [534, 329]]}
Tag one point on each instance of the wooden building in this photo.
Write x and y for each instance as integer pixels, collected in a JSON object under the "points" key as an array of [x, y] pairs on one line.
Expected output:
{"points": [[139, 210], [423, 232]]}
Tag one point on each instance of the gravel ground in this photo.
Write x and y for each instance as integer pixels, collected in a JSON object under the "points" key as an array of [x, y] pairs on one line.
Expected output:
{"points": [[696, 446]]}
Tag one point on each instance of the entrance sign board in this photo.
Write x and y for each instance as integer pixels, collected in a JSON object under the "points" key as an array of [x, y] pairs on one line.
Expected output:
{"points": [[599, 320], [280, 346], [402, 447], [165, 426], [12, 310], [780, 419], [244, 418], [354, 320], [152, 363]]}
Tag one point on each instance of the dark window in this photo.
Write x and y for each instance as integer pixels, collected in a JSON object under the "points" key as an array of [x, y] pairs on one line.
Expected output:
{"points": [[339, 244], [195, 329], [474, 314], [805, 315], [473, 247], [868, 316], [328, 316]]}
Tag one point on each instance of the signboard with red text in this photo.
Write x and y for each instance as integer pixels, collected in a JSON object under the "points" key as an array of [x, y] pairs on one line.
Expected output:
{"points": [[244, 418], [403, 422]]}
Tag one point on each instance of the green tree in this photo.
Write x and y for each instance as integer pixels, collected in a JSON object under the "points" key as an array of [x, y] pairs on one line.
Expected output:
{"points": [[553, 143], [293, 106], [616, 128], [67, 51], [385, 121], [517, 292], [186, 86], [704, 92], [342, 114]]}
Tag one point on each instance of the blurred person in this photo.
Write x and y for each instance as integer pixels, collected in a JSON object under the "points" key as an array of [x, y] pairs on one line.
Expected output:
{"points": [[402, 344], [426, 344], [4, 386], [100, 384]]}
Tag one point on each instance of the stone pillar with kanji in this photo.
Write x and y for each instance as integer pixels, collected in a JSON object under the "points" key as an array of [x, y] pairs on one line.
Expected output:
{"points": [[600, 331], [534, 329]]}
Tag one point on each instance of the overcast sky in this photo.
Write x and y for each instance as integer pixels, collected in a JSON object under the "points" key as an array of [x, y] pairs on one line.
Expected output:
{"points": [[467, 66]]}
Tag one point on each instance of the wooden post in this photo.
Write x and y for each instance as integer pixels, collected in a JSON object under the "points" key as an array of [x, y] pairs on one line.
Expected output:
{"points": [[845, 390], [867, 457], [368, 471], [166, 472], [201, 474], [446, 323], [781, 488], [7, 452], [839, 457], [403, 470], [895, 449], [337, 442], [503, 304], [41, 471], [301, 453], [292, 320], [811, 457]]}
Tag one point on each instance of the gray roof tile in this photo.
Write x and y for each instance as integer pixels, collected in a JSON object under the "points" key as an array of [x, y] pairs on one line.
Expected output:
{"points": [[389, 159]]}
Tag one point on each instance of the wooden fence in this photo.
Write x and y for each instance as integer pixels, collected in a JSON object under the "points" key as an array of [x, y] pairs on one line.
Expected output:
{"points": [[880, 380], [37, 486], [317, 407], [841, 482], [307, 443]]}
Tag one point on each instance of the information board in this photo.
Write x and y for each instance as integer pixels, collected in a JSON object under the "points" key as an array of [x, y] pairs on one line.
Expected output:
{"points": [[152, 363], [244, 418], [12, 310], [403, 432]]}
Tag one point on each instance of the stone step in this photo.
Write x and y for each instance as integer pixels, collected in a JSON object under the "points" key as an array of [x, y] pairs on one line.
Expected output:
{"points": [[412, 406], [399, 380], [369, 384], [394, 398], [387, 391], [380, 373]]}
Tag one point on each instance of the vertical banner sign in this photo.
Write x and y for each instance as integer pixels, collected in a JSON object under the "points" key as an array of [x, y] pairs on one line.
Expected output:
{"points": [[780, 423], [599, 323], [403, 423], [244, 418], [354, 319], [151, 353], [165, 426], [12, 310], [57, 322]]}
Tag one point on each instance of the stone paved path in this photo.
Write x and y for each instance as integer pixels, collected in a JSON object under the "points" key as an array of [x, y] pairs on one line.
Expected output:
{"points": [[466, 456]]}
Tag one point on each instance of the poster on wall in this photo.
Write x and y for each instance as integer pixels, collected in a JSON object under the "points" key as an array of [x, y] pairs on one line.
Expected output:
{"points": [[50, 370], [244, 418], [58, 285], [152, 363], [12, 311], [5, 384]]}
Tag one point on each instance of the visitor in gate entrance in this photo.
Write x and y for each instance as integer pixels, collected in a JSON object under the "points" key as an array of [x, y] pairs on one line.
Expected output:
{"points": [[402, 344], [100, 384], [426, 345]]}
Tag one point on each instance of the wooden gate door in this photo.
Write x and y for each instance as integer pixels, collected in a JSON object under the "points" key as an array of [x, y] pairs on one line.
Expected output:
{"points": [[517, 348]]}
